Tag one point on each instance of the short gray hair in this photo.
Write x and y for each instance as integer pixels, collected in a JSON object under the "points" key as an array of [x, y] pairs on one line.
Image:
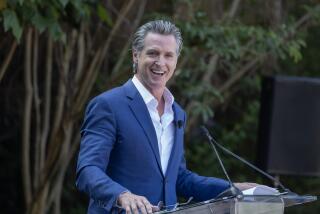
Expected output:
{"points": [[160, 27]]}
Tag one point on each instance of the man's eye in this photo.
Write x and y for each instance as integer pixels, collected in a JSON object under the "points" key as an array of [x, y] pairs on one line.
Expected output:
{"points": [[152, 53]]}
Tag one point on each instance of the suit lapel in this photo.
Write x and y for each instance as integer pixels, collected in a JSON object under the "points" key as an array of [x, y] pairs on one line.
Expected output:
{"points": [[140, 111], [178, 134]]}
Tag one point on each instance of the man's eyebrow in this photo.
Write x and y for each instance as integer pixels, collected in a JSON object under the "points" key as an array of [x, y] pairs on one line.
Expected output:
{"points": [[152, 49]]}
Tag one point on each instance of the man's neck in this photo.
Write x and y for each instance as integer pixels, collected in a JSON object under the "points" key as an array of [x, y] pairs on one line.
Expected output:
{"points": [[158, 94], [160, 107]]}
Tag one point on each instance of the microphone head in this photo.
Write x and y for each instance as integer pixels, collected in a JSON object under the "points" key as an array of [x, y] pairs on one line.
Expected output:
{"points": [[204, 130], [179, 124]]}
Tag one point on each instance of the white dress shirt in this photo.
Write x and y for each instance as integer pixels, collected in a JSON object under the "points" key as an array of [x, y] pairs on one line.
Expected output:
{"points": [[164, 125]]}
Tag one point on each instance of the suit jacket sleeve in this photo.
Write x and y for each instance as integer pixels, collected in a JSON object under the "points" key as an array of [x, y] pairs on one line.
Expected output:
{"points": [[98, 136], [201, 188]]}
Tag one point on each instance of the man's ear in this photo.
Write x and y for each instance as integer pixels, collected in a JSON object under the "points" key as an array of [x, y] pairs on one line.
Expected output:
{"points": [[135, 55]]}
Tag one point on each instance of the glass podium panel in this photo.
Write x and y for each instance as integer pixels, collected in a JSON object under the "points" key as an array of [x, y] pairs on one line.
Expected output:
{"points": [[253, 204]]}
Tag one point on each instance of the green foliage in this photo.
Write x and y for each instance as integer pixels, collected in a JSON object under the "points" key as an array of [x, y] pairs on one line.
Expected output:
{"points": [[236, 129], [104, 16], [235, 125], [294, 49], [310, 64], [235, 44], [235, 40], [44, 15], [11, 22], [314, 11]]}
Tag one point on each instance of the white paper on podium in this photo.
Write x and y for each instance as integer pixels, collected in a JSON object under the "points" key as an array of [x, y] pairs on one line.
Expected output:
{"points": [[261, 190]]}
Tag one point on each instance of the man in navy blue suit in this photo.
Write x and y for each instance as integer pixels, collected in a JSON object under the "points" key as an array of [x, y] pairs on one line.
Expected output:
{"points": [[131, 152]]}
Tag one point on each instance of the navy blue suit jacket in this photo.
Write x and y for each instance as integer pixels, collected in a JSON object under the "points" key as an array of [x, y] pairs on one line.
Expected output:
{"points": [[119, 152]]}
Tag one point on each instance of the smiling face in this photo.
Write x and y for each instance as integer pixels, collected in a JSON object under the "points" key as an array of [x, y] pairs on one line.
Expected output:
{"points": [[156, 62]]}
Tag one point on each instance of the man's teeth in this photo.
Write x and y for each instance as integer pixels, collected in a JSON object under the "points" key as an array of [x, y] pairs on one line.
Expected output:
{"points": [[158, 72]]}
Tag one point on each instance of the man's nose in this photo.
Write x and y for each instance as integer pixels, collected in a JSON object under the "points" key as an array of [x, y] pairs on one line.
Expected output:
{"points": [[160, 61]]}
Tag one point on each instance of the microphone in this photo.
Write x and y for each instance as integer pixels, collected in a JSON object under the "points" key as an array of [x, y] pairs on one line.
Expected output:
{"points": [[232, 190], [214, 142], [179, 124]]}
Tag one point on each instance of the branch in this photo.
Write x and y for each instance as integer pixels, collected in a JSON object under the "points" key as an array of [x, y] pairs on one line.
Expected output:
{"points": [[56, 167], [26, 177], [125, 49], [36, 99], [55, 142], [305, 19], [62, 86], [47, 105], [39, 203], [182, 62], [238, 75], [85, 88], [233, 9], [80, 56], [8, 59], [74, 145], [212, 67], [124, 11], [59, 169], [214, 59], [98, 58]]}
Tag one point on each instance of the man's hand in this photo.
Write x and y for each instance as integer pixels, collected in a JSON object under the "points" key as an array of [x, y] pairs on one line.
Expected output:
{"points": [[135, 204]]}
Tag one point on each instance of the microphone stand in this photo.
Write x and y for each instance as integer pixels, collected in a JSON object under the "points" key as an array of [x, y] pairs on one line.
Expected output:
{"points": [[214, 142], [233, 190]]}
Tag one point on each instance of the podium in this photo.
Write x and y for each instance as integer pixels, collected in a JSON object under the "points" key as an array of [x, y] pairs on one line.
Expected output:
{"points": [[253, 204]]}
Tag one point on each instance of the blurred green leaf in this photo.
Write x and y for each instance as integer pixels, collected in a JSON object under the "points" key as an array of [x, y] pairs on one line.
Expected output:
{"points": [[11, 22], [40, 22], [103, 15], [64, 2]]}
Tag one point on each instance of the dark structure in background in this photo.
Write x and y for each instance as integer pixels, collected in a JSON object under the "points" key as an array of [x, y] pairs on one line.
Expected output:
{"points": [[289, 129]]}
